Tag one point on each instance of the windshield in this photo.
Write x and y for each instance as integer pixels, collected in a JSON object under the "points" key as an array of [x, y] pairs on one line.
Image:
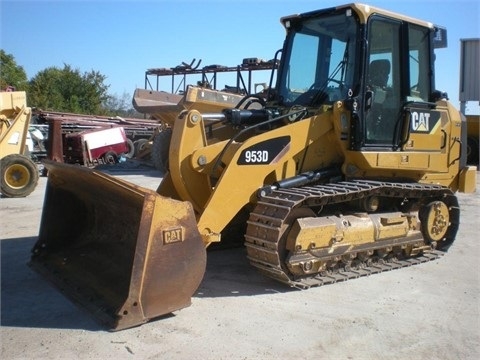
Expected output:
{"points": [[319, 61]]}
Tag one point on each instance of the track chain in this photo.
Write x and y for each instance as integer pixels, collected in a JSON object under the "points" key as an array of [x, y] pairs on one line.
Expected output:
{"points": [[266, 222]]}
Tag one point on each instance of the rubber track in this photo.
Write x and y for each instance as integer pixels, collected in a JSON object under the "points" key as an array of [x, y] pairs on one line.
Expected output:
{"points": [[269, 216]]}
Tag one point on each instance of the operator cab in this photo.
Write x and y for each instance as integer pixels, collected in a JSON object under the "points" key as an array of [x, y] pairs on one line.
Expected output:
{"points": [[383, 66]]}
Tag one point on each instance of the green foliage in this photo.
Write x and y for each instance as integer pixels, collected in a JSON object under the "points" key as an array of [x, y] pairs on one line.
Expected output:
{"points": [[121, 106], [10, 73], [67, 90]]}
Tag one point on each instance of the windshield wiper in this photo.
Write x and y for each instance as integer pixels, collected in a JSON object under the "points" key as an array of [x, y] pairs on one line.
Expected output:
{"points": [[342, 65]]}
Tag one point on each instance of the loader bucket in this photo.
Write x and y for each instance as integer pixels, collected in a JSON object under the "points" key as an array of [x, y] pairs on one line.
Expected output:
{"points": [[123, 252]]}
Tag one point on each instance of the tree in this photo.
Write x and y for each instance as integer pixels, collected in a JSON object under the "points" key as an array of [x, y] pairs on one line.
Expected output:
{"points": [[121, 106], [116, 103], [11, 74], [67, 90]]}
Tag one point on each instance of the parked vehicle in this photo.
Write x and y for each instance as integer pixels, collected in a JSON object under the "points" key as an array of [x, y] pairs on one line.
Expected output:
{"points": [[95, 146], [19, 174]]}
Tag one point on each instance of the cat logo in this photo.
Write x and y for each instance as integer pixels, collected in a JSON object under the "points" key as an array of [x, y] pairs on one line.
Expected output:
{"points": [[420, 121], [172, 235]]}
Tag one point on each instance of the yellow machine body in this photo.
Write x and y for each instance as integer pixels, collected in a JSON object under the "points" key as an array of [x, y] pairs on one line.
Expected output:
{"points": [[15, 119], [19, 174], [326, 183]]}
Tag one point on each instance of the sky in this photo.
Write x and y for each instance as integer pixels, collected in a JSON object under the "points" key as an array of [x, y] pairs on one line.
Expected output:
{"points": [[122, 39]]}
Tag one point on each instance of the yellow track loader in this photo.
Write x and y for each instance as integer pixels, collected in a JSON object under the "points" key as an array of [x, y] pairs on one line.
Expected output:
{"points": [[19, 174], [349, 168]]}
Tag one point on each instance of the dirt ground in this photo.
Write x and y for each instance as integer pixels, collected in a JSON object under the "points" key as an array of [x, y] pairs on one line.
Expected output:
{"points": [[429, 311]]}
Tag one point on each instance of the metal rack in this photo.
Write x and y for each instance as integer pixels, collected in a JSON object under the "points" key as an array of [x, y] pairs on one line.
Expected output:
{"points": [[208, 75]]}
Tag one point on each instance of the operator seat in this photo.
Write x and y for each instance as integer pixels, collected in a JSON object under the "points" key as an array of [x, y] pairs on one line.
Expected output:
{"points": [[379, 127], [378, 75]]}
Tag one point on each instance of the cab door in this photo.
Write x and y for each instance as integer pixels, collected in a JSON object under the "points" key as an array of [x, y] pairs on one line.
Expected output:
{"points": [[424, 123], [402, 126]]}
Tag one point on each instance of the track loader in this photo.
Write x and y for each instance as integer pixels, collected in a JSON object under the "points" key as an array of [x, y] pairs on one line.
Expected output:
{"points": [[349, 168]]}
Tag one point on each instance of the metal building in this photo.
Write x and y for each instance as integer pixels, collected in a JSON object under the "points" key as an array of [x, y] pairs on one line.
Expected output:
{"points": [[469, 72]]}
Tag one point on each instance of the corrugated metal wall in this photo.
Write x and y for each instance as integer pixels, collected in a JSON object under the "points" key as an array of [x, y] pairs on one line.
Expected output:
{"points": [[469, 70]]}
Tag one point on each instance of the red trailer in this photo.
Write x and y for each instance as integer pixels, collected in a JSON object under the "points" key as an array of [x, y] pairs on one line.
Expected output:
{"points": [[95, 146]]}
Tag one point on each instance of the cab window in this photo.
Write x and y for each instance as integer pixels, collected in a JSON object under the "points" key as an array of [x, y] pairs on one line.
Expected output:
{"points": [[383, 81]]}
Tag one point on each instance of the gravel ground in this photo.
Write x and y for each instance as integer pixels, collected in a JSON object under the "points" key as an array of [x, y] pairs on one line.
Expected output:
{"points": [[429, 311]]}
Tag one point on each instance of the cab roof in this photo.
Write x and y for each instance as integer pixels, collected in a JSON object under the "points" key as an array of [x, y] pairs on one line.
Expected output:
{"points": [[362, 10]]}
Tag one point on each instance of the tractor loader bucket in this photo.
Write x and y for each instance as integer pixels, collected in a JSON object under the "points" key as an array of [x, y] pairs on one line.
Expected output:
{"points": [[123, 252]]}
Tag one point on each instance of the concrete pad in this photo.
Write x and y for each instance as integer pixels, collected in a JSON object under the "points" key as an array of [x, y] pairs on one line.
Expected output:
{"points": [[429, 311]]}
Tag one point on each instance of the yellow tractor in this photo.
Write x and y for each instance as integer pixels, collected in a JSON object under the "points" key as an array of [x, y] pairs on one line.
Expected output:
{"points": [[19, 174], [349, 168]]}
